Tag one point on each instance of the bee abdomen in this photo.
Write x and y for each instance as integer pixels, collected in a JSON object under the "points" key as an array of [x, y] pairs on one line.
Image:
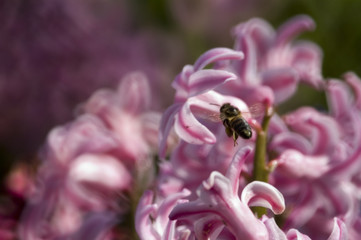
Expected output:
{"points": [[241, 127]]}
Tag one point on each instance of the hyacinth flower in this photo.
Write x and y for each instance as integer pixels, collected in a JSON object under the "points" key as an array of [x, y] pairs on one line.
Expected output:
{"points": [[306, 146], [218, 212], [197, 90], [321, 156], [243, 76], [90, 176], [272, 61], [217, 206]]}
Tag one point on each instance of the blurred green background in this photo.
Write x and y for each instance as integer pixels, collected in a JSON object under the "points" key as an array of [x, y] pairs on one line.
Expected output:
{"points": [[338, 30], [338, 33]]}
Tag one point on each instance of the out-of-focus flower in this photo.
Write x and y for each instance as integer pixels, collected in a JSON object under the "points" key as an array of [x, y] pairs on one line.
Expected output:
{"points": [[272, 61], [89, 163]]}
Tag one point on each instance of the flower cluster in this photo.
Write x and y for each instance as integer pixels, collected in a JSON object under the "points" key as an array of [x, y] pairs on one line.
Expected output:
{"points": [[297, 177], [310, 158], [94, 167]]}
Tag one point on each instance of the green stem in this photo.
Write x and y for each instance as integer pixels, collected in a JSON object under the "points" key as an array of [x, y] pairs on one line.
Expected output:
{"points": [[260, 171]]}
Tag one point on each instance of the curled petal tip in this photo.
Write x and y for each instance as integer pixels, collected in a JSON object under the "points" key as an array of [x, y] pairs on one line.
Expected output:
{"points": [[190, 129], [217, 54], [294, 27], [205, 80], [339, 231], [265, 195]]}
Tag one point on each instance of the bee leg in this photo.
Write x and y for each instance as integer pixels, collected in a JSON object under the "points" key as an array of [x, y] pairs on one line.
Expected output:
{"points": [[229, 132], [235, 136]]}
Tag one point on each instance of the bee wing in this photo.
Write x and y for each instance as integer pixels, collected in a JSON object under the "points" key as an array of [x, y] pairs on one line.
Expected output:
{"points": [[214, 117], [255, 111]]}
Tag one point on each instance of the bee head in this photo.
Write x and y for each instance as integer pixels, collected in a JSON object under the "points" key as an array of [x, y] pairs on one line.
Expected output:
{"points": [[229, 110]]}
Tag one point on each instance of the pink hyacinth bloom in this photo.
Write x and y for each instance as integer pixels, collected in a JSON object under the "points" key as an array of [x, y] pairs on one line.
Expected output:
{"points": [[194, 95], [151, 219], [272, 64], [90, 162], [216, 212], [76, 177], [316, 154], [253, 80], [218, 197], [318, 160], [124, 113]]}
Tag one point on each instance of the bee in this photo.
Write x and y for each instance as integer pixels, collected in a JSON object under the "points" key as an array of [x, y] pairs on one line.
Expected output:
{"points": [[235, 124]]}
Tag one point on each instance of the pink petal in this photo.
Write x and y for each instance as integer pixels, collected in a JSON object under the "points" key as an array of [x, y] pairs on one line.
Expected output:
{"points": [[143, 223], [295, 164], [282, 81], [294, 27], [277, 125], [355, 82], [260, 32], [216, 196], [169, 231], [151, 122], [134, 92], [307, 203], [205, 80], [338, 97], [326, 134], [265, 195], [294, 234], [307, 61], [86, 134], [166, 126], [274, 232], [235, 168], [91, 175], [257, 94], [339, 231], [347, 168], [208, 227], [180, 84], [168, 204], [217, 54], [207, 105], [100, 169], [101, 102], [247, 69], [322, 130], [290, 140], [190, 129]]}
